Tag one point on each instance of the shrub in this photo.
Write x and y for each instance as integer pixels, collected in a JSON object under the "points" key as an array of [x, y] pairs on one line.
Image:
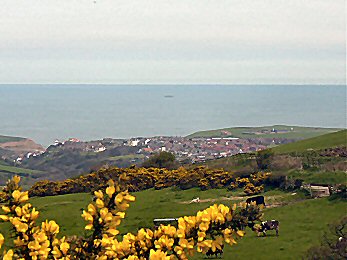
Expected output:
{"points": [[161, 160], [333, 244], [264, 159], [139, 179], [252, 185]]}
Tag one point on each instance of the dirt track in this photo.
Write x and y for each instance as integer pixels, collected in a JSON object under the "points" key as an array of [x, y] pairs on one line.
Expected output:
{"points": [[239, 198]]}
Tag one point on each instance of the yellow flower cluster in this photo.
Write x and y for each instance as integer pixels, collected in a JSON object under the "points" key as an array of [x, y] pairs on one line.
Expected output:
{"points": [[139, 179], [107, 211], [205, 232], [32, 241], [254, 184]]}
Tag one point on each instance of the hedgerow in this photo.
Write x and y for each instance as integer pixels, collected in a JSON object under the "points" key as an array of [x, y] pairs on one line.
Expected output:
{"points": [[142, 178]]}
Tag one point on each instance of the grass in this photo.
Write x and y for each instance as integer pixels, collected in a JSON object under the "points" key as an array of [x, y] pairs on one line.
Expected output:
{"points": [[302, 222], [238, 162], [320, 177], [126, 157], [17, 170], [316, 143], [255, 132], [6, 139], [301, 225]]}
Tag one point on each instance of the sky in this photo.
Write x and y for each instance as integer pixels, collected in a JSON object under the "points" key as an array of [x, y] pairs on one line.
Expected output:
{"points": [[173, 41]]}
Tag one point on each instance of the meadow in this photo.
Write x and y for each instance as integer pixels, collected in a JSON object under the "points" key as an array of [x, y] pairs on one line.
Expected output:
{"points": [[316, 143], [298, 132], [17, 170], [5, 139], [302, 220], [7, 172]]}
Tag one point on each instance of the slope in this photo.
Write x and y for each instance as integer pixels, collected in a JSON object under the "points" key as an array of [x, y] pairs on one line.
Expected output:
{"points": [[275, 131], [332, 140]]}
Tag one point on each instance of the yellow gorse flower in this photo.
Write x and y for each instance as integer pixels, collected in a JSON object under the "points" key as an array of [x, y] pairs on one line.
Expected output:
{"points": [[51, 227], [110, 191], [8, 255], [19, 196], [2, 239]]}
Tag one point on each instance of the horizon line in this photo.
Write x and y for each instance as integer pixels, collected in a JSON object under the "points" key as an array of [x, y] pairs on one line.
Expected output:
{"points": [[185, 84]]}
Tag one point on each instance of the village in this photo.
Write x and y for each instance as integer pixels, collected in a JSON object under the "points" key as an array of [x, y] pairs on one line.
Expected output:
{"points": [[189, 150]]}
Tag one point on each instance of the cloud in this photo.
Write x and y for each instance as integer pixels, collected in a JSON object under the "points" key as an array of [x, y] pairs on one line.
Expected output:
{"points": [[173, 41]]}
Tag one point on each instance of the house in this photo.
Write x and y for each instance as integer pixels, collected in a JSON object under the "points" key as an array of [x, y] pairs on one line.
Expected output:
{"points": [[101, 149], [74, 140], [134, 142]]}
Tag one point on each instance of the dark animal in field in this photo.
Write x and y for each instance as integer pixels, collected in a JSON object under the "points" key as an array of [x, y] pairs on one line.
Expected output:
{"points": [[217, 253], [269, 225], [259, 200]]}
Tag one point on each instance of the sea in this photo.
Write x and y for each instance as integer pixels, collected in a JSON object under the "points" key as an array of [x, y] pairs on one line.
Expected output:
{"points": [[45, 113]]}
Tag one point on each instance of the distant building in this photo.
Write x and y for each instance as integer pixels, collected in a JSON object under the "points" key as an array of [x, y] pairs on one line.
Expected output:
{"points": [[74, 140], [134, 142], [319, 191], [101, 149]]}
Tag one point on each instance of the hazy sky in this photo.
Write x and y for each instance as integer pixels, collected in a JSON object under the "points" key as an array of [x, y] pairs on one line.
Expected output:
{"points": [[173, 41]]}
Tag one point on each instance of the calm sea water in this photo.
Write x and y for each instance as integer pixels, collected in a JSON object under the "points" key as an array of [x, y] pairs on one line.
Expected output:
{"points": [[87, 112]]}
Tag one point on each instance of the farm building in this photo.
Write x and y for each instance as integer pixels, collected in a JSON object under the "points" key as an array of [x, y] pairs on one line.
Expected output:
{"points": [[319, 191]]}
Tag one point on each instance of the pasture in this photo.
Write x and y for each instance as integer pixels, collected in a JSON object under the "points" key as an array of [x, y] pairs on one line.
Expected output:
{"points": [[6, 139], [7, 172], [17, 170], [336, 139], [285, 131], [302, 221]]}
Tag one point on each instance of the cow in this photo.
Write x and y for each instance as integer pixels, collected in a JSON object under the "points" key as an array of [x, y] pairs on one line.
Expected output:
{"points": [[259, 200], [269, 225]]}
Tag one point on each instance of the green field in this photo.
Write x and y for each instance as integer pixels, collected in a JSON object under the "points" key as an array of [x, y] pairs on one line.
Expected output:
{"points": [[302, 221], [28, 175], [5, 139], [298, 132], [320, 177], [316, 143], [16, 170]]}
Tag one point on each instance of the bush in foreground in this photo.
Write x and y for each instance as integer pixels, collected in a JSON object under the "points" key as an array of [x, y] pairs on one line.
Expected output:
{"points": [[207, 231]]}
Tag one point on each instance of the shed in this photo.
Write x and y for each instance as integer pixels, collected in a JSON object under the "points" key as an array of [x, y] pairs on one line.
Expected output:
{"points": [[319, 191]]}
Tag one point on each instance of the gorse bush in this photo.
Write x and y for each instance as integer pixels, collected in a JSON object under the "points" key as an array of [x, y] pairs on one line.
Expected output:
{"points": [[205, 232], [252, 185], [142, 178]]}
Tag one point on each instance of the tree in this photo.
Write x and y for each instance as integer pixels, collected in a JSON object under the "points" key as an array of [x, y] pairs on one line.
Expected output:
{"points": [[161, 160], [264, 159]]}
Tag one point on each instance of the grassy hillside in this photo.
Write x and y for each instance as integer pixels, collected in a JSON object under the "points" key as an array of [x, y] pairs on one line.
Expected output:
{"points": [[316, 143], [7, 172], [304, 159], [5, 139], [302, 221], [291, 132], [337, 177], [16, 170], [301, 225]]}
